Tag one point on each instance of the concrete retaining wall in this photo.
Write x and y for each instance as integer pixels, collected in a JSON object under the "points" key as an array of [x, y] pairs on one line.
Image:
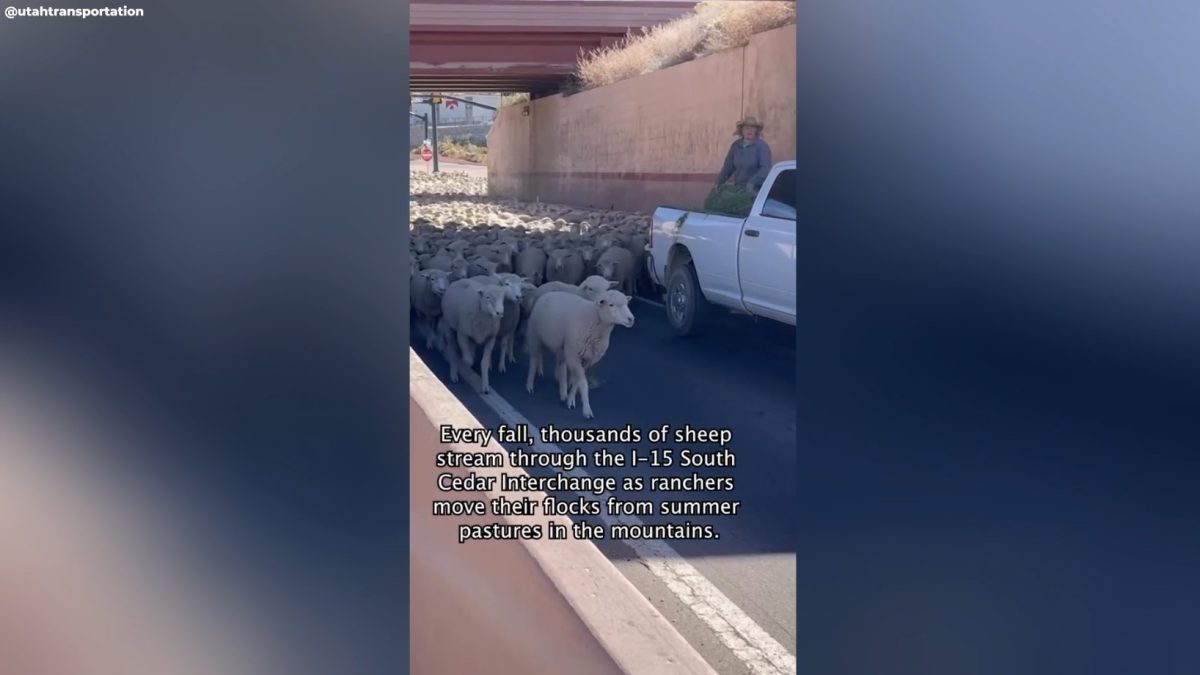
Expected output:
{"points": [[655, 139]]}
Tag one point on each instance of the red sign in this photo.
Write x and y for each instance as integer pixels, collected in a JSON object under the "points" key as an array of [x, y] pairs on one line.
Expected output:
{"points": [[451, 104], [426, 153]]}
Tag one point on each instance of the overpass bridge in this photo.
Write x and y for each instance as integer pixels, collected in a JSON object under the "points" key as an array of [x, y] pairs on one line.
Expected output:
{"points": [[511, 46]]}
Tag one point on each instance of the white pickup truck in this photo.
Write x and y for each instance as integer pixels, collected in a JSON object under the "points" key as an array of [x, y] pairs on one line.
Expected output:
{"points": [[745, 265]]}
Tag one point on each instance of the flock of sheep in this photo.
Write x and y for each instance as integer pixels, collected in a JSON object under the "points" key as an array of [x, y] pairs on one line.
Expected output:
{"points": [[487, 273]]}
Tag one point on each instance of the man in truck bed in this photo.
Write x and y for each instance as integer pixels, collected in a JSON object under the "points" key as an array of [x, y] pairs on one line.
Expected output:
{"points": [[749, 158]]}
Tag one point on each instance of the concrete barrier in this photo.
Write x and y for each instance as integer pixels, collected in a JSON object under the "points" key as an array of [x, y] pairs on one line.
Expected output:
{"points": [[527, 607], [659, 138]]}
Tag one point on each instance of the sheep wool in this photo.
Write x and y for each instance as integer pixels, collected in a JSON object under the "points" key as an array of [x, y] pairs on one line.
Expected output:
{"points": [[576, 331], [514, 289], [617, 264], [471, 313], [426, 289]]}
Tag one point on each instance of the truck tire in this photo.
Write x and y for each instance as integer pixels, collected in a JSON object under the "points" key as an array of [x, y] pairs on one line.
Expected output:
{"points": [[687, 310]]}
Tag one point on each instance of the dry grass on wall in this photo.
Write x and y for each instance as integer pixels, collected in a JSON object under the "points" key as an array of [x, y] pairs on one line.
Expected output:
{"points": [[513, 99], [712, 27]]}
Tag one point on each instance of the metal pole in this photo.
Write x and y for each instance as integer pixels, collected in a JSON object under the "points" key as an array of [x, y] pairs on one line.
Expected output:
{"points": [[424, 120], [433, 110], [471, 103]]}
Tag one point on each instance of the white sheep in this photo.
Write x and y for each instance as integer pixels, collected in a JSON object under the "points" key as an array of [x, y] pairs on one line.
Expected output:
{"points": [[500, 254], [588, 253], [564, 265], [514, 289], [481, 266], [617, 264], [471, 313], [531, 264], [440, 261], [426, 291], [504, 252], [577, 332], [589, 288], [606, 241], [458, 269], [450, 262]]}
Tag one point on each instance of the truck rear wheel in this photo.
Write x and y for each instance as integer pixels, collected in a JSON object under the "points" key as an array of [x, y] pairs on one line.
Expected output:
{"points": [[687, 310]]}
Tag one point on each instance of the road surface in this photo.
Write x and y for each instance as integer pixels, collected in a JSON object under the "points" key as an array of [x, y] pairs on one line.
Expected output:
{"points": [[740, 375]]}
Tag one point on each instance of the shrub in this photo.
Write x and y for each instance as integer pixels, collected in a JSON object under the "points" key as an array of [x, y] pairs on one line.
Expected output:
{"points": [[729, 200], [455, 149], [451, 148]]}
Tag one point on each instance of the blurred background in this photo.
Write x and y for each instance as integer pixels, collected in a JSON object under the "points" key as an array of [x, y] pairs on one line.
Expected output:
{"points": [[203, 340]]}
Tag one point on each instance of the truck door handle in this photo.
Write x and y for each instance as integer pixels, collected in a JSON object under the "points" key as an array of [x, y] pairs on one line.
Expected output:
{"points": [[751, 233]]}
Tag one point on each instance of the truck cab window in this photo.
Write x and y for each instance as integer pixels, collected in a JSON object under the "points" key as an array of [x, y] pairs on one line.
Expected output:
{"points": [[781, 201]]}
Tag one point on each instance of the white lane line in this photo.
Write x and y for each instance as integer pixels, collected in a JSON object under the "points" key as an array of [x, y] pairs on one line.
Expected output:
{"points": [[761, 653]]}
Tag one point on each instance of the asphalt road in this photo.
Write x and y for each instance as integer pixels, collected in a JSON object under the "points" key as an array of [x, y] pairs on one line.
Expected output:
{"points": [[741, 376]]}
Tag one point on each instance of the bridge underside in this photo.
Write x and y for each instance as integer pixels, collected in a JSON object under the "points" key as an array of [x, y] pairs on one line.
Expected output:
{"points": [[518, 45]]}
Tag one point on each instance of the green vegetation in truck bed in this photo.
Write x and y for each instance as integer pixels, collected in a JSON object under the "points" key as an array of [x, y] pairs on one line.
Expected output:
{"points": [[729, 200]]}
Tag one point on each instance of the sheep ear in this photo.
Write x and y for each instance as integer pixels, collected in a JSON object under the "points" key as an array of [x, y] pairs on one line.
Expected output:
{"points": [[613, 284], [629, 298]]}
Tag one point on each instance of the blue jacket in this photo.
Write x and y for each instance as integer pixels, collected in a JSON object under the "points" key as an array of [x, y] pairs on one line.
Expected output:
{"points": [[749, 164]]}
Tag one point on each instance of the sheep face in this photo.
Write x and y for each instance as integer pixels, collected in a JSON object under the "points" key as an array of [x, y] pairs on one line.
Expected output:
{"points": [[608, 268], [458, 269], [614, 308], [513, 289], [439, 282], [595, 286], [588, 253], [558, 259], [491, 301]]}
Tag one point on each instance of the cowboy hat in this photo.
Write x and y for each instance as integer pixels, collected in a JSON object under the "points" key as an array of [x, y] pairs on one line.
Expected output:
{"points": [[748, 122]]}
